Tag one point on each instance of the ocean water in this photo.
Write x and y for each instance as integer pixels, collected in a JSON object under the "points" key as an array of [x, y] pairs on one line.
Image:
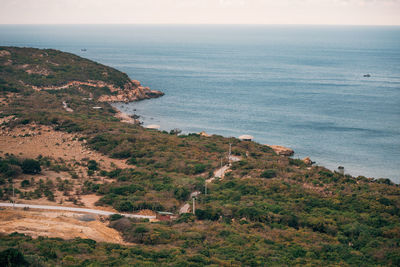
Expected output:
{"points": [[297, 86]]}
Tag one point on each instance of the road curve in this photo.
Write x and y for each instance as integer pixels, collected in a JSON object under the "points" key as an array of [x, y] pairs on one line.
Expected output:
{"points": [[93, 211]]}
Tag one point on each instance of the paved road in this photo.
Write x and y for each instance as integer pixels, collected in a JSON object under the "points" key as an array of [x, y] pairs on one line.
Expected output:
{"points": [[93, 211], [235, 158], [218, 173], [184, 208]]}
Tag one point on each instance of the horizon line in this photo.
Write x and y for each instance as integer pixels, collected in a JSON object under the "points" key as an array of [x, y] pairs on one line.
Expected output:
{"points": [[203, 24]]}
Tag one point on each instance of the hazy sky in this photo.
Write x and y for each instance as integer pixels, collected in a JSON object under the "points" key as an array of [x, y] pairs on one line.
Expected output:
{"points": [[353, 12]]}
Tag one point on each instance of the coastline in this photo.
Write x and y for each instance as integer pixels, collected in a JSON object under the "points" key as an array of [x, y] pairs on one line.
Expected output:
{"points": [[286, 151], [123, 117]]}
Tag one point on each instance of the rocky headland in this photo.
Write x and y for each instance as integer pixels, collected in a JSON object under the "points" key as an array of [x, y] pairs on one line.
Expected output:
{"points": [[132, 91]]}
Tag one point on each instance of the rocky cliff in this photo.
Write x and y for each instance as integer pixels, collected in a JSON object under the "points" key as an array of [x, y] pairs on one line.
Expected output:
{"points": [[132, 91]]}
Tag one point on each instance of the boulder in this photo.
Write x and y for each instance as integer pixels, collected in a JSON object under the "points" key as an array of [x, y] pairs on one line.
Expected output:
{"points": [[308, 161], [281, 150], [203, 133]]}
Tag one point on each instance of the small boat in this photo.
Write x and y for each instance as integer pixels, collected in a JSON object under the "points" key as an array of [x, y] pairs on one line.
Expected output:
{"points": [[367, 75], [83, 49]]}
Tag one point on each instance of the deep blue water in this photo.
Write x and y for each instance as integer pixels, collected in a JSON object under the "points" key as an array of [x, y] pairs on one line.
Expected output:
{"points": [[297, 86]]}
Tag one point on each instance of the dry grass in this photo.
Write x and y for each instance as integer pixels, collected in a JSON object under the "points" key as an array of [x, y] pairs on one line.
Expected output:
{"points": [[30, 141]]}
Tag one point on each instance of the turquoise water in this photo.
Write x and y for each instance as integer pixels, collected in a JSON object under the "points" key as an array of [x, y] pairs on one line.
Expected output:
{"points": [[297, 86]]}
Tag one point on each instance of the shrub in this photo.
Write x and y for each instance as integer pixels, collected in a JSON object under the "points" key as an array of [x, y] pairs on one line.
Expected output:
{"points": [[31, 166], [199, 168], [9, 170], [92, 165], [132, 161], [181, 193], [207, 214], [115, 217], [124, 206], [25, 183], [268, 174], [186, 218]]}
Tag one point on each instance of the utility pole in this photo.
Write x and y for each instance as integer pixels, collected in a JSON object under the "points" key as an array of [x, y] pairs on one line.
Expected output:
{"points": [[222, 171], [194, 205], [230, 153], [13, 195]]}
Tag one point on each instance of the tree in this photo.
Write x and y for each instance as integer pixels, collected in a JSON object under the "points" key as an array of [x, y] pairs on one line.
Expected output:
{"points": [[92, 165], [31, 166], [181, 193], [25, 183]]}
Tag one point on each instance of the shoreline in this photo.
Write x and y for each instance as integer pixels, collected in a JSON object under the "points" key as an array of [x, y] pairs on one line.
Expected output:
{"points": [[125, 117]]}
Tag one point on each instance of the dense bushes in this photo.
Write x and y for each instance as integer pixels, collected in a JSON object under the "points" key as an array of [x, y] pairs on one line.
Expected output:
{"points": [[268, 174], [12, 166], [181, 193], [128, 206], [9, 169], [207, 214], [12, 257], [31, 166]]}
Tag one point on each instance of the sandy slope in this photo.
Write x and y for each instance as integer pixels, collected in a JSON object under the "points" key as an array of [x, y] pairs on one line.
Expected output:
{"points": [[31, 141], [66, 225]]}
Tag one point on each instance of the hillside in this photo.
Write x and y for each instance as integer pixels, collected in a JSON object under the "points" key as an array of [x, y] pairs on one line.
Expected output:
{"points": [[29, 68], [272, 210]]}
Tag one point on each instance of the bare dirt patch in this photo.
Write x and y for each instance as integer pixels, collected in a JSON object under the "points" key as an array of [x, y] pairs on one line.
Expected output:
{"points": [[30, 141], [66, 225]]}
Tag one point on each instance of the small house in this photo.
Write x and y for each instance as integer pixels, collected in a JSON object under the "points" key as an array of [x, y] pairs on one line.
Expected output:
{"points": [[246, 137], [165, 216]]}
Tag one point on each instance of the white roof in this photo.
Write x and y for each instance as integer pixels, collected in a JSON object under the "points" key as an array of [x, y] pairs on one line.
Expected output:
{"points": [[246, 137], [153, 126]]}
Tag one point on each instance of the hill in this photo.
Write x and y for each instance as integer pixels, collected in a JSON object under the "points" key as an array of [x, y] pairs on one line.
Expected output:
{"points": [[266, 210]]}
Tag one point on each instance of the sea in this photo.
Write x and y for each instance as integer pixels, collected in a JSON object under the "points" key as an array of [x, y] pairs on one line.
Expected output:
{"points": [[331, 93]]}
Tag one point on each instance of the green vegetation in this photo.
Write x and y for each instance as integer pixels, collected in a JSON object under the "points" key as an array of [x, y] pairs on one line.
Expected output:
{"points": [[30, 166], [12, 257], [50, 67], [268, 210]]}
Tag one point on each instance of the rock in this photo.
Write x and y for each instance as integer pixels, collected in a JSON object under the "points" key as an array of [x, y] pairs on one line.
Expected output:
{"points": [[308, 161], [136, 83], [281, 150], [203, 133], [132, 91], [4, 53]]}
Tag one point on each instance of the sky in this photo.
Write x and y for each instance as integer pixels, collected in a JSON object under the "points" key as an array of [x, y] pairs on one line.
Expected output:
{"points": [[331, 12]]}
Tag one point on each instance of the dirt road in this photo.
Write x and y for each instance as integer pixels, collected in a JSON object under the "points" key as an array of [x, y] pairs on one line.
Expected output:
{"points": [[83, 210]]}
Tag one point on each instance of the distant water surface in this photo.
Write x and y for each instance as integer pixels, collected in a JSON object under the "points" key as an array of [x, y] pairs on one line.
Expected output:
{"points": [[297, 86]]}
